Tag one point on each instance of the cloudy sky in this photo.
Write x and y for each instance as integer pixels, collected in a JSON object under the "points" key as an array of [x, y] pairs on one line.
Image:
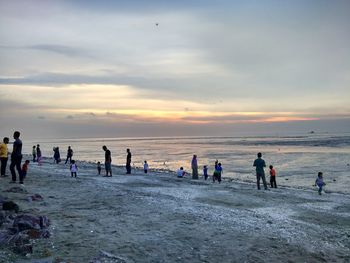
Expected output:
{"points": [[161, 68]]}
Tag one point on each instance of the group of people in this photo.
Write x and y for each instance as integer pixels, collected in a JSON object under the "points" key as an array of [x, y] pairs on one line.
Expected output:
{"points": [[36, 152], [16, 158], [57, 155], [108, 162]]}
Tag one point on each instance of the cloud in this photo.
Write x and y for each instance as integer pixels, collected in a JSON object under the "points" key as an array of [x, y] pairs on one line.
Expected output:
{"points": [[61, 50]]}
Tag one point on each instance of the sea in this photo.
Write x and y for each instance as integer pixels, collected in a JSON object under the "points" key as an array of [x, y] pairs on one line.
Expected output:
{"points": [[296, 158]]}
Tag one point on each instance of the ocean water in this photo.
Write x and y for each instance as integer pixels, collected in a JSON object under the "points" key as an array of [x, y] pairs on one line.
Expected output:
{"points": [[297, 159]]}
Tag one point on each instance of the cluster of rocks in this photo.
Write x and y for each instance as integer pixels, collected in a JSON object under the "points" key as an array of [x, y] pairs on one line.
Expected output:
{"points": [[18, 230]]}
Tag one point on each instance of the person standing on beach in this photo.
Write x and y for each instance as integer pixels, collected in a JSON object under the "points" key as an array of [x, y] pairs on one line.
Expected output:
{"points": [[4, 155], [38, 154], [73, 169], [108, 161], [69, 155], [260, 173], [99, 168], [319, 182], [217, 173], [57, 156], [128, 161], [24, 170], [194, 166], [16, 157], [205, 172], [272, 177], [34, 153], [145, 167]]}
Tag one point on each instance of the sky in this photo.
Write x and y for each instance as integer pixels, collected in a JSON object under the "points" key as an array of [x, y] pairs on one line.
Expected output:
{"points": [[71, 69]]}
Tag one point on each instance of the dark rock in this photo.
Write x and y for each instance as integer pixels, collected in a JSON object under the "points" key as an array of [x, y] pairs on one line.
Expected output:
{"points": [[24, 222], [9, 205], [2, 217], [36, 234], [36, 197], [44, 221], [23, 249], [5, 236], [2, 199], [20, 244]]}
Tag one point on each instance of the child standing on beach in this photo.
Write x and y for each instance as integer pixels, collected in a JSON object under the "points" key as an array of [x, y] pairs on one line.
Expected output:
{"points": [[272, 177], [99, 168], [24, 171], [319, 182], [217, 173], [205, 172], [73, 169], [145, 167]]}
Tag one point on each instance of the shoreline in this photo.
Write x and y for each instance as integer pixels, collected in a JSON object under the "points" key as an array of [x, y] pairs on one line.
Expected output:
{"points": [[160, 218], [139, 171]]}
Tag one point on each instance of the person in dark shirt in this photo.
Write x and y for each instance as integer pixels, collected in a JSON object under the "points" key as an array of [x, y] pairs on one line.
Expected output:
{"points": [[57, 155], [260, 173], [128, 161], [108, 160], [69, 155], [38, 154], [16, 158]]}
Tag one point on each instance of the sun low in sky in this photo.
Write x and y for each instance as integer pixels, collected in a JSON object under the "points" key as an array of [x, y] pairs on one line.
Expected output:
{"points": [[159, 68]]}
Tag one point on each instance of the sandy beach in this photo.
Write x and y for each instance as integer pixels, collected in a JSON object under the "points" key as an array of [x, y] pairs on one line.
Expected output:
{"points": [[160, 218]]}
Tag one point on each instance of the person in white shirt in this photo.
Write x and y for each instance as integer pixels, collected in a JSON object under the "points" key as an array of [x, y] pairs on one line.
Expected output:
{"points": [[180, 173], [73, 169]]}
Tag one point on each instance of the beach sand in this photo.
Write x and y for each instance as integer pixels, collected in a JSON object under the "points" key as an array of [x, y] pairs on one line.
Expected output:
{"points": [[160, 218]]}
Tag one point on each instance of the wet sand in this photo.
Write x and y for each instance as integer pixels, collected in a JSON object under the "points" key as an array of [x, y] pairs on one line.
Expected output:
{"points": [[160, 218]]}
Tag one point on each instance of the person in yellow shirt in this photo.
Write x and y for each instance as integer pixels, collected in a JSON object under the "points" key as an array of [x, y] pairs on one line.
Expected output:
{"points": [[4, 155]]}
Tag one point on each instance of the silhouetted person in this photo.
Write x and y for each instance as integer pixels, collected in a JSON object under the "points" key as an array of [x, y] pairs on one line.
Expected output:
{"points": [[16, 158], [34, 153], [194, 166], [38, 154], [128, 161], [108, 160], [69, 155], [145, 167], [260, 173], [57, 156]]}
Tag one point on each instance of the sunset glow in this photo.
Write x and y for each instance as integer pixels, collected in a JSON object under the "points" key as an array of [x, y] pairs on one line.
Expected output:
{"points": [[70, 64]]}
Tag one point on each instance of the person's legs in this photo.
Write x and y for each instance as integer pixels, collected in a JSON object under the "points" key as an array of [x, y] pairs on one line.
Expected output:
{"points": [[21, 177], [3, 166], [128, 168], [34, 157], [274, 182], [320, 190], [264, 181], [219, 177], [258, 181]]}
